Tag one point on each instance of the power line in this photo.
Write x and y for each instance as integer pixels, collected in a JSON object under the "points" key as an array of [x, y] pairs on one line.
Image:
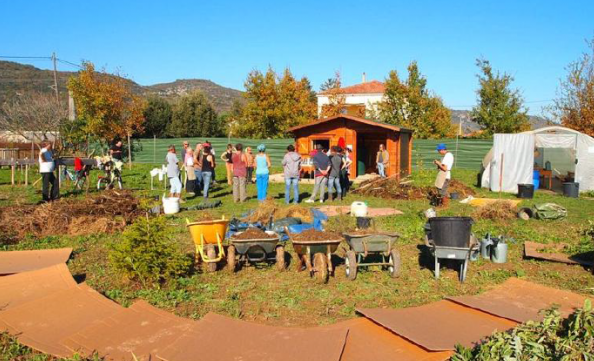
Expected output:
{"points": [[25, 57], [69, 63]]}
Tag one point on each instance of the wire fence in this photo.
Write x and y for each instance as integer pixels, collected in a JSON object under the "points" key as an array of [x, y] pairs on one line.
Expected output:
{"points": [[468, 155]]}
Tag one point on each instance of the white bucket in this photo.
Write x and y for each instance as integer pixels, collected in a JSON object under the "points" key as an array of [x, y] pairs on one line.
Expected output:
{"points": [[170, 205], [359, 209]]}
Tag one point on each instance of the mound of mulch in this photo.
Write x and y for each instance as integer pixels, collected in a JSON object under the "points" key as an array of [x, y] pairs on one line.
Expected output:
{"points": [[500, 210], [311, 235], [107, 212], [253, 233], [269, 209], [391, 188]]}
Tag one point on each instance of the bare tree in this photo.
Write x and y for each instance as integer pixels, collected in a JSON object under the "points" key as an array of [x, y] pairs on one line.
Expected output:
{"points": [[33, 116]]}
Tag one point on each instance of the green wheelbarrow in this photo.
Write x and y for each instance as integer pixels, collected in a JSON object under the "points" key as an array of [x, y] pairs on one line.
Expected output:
{"points": [[371, 250]]}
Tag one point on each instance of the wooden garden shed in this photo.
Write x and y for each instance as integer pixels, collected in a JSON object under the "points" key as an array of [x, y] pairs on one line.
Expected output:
{"points": [[363, 136]]}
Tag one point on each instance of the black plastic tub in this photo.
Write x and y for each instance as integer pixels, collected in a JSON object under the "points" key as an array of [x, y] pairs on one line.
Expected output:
{"points": [[525, 190], [571, 189], [363, 222], [451, 231]]}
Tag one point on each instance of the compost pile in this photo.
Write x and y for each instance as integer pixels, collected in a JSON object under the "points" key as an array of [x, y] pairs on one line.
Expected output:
{"points": [[253, 233], [269, 209], [311, 235], [108, 212], [391, 188], [500, 210], [455, 186]]}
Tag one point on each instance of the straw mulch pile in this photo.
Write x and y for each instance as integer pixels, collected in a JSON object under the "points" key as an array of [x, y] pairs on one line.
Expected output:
{"points": [[269, 209], [107, 212], [500, 210]]}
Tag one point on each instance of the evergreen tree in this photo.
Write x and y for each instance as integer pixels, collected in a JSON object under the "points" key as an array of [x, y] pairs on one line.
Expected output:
{"points": [[157, 117], [500, 108], [193, 116], [411, 105], [330, 83]]}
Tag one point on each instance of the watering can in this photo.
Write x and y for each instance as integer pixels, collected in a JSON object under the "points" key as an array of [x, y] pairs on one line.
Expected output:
{"points": [[485, 245], [499, 251]]}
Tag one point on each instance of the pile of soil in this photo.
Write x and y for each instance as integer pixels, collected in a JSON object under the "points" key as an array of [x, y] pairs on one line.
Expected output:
{"points": [[253, 233], [269, 209], [391, 188], [204, 216], [107, 212], [500, 210], [311, 235]]}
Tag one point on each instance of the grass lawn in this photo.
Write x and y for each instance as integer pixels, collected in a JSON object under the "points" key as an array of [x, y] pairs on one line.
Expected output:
{"points": [[290, 298]]}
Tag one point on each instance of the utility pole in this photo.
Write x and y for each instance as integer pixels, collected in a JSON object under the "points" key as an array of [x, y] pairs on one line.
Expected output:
{"points": [[55, 78]]}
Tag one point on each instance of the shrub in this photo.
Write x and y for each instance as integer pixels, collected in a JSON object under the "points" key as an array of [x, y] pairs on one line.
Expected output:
{"points": [[147, 254], [551, 339]]}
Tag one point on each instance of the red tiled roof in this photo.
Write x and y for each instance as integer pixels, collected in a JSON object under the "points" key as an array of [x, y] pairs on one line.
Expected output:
{"points": [[370, 87]]}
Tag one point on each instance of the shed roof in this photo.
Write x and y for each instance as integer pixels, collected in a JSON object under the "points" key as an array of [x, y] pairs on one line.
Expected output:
{"points": [[355, 119], [370, 87]]}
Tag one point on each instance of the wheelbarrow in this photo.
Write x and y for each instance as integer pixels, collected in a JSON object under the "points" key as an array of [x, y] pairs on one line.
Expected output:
{"points": [[461, 254], [208, 237], [317, 257], [242, 251], [371, 250]]}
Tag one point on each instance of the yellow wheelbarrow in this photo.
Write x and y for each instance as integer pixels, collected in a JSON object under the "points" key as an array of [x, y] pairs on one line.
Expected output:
{"points": [[208, 237]]}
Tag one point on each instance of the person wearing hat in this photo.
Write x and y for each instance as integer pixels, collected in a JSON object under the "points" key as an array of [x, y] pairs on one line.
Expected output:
{"points": [[444, 175], [262, 172]]}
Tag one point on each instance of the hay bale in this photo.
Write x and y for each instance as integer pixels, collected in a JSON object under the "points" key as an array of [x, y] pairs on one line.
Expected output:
{"points": [[500, 210]]}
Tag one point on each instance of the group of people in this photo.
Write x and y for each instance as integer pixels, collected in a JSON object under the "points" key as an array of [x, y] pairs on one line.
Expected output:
{"points": [[331, 169], [199, 165]]}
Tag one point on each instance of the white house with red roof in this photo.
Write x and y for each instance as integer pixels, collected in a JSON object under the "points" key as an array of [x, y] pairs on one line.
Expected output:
{"points": [[359, 98]]}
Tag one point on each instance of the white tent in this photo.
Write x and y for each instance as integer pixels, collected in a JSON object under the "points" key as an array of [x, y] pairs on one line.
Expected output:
{"points": [[565, 151]]}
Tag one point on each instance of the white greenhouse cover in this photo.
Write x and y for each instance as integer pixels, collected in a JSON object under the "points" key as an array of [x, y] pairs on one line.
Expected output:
{"points": [[518, 157]]}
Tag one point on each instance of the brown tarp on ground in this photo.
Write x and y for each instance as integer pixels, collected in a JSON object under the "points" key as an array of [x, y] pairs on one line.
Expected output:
{"points": [[215, 338], [439, 326], [532, 250], [142, 330], [368, 341], [23, 287], [22, 261], [43, 323], [332, 211], [521, 301]]}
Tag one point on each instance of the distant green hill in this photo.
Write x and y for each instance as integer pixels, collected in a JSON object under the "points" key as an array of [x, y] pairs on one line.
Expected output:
{"points": [[16, 78]]}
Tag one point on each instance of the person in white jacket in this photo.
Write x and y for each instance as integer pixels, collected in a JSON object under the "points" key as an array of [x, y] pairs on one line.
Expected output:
{"points": [[47, 167]]}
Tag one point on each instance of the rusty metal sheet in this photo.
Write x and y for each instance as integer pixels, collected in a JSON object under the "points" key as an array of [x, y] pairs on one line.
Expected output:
{"points": [[533, 250], [24, 287], [141, 330], [219, 338], [369, 341], [521, 301], [42, 323], [22, 261], [439, 326], [332, 211]]}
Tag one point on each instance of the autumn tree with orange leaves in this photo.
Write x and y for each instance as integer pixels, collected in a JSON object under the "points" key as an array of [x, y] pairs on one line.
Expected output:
{"points": [[574, 106], [106, 106]]}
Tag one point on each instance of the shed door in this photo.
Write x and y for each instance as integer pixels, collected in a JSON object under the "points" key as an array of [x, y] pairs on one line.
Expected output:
{"points": [[404, 159]]}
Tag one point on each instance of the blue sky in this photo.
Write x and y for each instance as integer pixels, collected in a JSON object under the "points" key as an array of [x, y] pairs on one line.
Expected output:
{"points": [[160, 41]]}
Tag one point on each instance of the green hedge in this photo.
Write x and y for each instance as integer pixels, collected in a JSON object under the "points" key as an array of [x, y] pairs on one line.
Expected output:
{"points": [[469, 155]]}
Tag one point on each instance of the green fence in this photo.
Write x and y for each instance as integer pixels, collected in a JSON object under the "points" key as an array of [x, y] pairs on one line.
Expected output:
{"points": [[469, 155]]}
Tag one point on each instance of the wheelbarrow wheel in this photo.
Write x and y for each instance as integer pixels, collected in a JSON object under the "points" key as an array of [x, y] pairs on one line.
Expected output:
{"points": [[211, 253], [231, 260], [320, 268], [395, 262], [350, 262], [280, 258]]}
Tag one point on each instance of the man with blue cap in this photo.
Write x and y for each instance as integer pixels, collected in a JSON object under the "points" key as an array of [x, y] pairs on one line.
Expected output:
{"points": [[444, 175]]}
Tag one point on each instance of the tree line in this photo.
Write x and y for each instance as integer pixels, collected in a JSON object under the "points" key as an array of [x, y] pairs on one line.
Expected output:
{"points": [[108, 109]]}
